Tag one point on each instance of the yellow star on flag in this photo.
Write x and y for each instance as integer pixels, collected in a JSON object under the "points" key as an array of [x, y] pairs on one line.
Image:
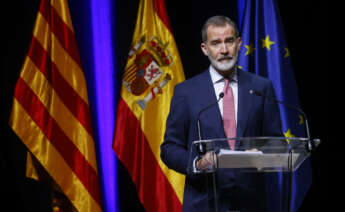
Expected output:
{"points": [[288, 134], [250, 49], [287, 53], [266, 43]]}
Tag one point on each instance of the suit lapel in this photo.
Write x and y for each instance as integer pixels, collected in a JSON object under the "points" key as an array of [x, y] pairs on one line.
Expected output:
{"points": [[244, 103], [211, 119]]}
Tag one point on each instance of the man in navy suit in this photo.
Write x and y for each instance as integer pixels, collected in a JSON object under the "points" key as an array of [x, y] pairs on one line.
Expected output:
{"points": [[254, 116]]}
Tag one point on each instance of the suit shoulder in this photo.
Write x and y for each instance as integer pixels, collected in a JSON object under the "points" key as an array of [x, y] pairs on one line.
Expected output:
{"points": [[255, 78], [192, 83]]}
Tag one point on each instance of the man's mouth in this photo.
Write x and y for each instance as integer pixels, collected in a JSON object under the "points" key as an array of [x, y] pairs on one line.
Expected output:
{"points": [[224, 58]]}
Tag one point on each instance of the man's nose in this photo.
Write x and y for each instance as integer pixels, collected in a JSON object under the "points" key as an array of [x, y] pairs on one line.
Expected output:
{"points": [[224, 49]]}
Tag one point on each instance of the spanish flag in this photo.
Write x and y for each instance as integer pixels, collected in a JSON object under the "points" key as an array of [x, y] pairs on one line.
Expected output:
{"points": [[51, 112], [153, 69]]}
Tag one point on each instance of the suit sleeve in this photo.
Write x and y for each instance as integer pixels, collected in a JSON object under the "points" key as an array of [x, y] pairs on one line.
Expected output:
{"points": [[174, 150]]}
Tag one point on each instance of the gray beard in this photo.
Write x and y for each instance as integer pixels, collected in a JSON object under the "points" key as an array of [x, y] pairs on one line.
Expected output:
{"points": [[223, 67]]}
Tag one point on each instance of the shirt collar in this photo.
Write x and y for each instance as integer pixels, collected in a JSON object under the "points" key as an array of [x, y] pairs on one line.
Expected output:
{"points": [[216, 77]]}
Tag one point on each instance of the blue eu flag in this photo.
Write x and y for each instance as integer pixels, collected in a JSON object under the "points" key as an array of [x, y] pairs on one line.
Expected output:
{"points": [[264, 51]]}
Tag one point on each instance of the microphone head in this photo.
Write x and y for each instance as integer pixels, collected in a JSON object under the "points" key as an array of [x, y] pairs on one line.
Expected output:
{"points": [[221, 95]]}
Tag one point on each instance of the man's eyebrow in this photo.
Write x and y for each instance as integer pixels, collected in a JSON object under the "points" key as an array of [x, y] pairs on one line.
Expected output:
{"points": [[215, 41], [230, 38]]}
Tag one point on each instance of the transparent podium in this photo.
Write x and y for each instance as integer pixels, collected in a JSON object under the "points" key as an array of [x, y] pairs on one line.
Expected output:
{"points": [[236, 179]]}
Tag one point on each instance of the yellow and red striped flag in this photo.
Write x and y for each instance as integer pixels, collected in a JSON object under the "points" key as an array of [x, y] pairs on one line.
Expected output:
{"points": [[50, 111], [153, 69]]}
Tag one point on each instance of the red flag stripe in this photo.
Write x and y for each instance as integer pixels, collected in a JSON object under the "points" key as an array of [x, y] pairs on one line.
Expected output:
{"points": [[73, 157], [67, 94], [159, 8], [152, 175], [61, 30]]}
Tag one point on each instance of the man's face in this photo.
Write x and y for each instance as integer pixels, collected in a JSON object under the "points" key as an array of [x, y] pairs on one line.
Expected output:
{"points": [[222, 47]]}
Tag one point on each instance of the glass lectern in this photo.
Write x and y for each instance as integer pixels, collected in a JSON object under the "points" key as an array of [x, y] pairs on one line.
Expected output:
{"points": [[241, 172]]}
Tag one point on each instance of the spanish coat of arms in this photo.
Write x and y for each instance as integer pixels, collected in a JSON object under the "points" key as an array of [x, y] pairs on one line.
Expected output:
{"points": [[145, 72]]}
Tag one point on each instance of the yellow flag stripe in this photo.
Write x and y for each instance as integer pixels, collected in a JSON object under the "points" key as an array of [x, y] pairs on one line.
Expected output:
{"points": [[44, 152], [57, 109], [68, 68], [30, 169]]}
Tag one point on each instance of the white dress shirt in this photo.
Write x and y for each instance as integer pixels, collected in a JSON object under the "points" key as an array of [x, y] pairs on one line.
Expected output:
{"points": [[219, 83]]}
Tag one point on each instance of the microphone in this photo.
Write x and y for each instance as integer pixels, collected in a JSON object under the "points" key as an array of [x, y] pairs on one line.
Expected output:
{"points": [[201, 148], [299, 110]]}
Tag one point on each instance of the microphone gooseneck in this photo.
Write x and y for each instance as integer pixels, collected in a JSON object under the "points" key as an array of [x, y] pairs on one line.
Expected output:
{"points": [[299, 110], [201, 148]]}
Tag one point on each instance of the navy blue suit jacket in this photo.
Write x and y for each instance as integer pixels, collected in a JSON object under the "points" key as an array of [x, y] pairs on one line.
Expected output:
{"points": [[256, 116]]}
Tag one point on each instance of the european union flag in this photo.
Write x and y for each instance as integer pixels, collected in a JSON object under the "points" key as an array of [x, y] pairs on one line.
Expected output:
{"points": [[265, 52]]}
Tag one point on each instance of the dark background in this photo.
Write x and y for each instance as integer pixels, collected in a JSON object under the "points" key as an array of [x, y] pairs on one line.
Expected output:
{"points": [[305, 24]]}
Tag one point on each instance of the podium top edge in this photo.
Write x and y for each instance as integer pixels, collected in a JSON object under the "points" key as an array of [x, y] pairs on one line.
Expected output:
{"points": [[253, 138]]}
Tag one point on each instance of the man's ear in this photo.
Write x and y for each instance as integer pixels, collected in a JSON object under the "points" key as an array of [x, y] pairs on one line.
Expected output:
{"points": [[239, 43], [204, 49]]}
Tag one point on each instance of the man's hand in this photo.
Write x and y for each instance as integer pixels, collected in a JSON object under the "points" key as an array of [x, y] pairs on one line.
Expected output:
{"points": [[207, 161]]}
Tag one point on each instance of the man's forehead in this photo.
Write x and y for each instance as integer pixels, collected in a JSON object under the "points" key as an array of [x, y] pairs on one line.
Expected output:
{"points": [[226, 25], [215, 32]]}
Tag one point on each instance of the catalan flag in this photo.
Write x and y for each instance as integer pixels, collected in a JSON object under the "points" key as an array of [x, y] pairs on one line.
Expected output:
{"points": [[51, 112], [265, 52], [153, 69]]}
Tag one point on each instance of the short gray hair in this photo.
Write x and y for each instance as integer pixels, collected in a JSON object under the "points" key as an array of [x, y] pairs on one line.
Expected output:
{"points": [[218, 21]]}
